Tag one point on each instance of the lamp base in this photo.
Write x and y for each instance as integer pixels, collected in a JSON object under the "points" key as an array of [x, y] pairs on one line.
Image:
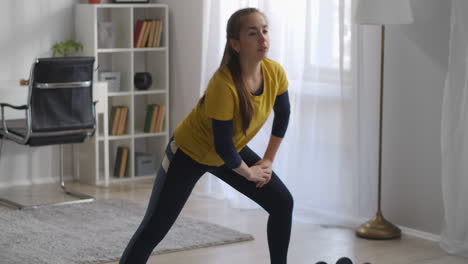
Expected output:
{"points": [[378, 228]]}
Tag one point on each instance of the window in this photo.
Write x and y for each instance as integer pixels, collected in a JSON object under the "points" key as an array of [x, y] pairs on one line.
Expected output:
{"points": [[328, 40]]}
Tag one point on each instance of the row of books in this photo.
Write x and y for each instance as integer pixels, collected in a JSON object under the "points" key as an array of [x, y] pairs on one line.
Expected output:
{"points": [[148, 33], [154, 119], [121, 161], [119, 120]]}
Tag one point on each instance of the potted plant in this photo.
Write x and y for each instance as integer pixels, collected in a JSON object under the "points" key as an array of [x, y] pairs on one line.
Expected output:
{"points": [[62, 49], [66, 48]]}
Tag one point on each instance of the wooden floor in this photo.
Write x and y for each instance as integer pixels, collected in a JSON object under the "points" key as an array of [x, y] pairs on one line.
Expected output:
{"points": [[309, 243]]}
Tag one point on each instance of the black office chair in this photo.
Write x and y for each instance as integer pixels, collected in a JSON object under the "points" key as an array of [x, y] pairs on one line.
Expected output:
{"points": [[59, 110]]}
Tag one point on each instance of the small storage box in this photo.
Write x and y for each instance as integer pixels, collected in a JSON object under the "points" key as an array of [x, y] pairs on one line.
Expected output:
{"points": [[144, 164], [113, 79]]}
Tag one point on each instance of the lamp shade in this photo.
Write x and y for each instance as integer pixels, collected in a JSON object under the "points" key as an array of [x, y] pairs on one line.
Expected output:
{"points": [[384, 12]]}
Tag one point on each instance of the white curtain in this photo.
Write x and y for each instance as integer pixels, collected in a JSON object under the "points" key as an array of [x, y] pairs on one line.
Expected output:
{"points": [[315, 42], [454, 141]]}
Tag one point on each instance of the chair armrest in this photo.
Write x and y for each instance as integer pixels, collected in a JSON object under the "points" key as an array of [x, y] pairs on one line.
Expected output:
{"points": [[2, 113], [3, 125], [21, 107]]}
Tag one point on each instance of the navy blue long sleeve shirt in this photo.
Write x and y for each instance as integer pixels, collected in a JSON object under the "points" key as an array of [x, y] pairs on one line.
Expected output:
{"points": [[223, 131]]}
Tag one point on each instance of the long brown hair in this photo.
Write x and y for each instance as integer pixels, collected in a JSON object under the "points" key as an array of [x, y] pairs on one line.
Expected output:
{"points": [[231, 61]]}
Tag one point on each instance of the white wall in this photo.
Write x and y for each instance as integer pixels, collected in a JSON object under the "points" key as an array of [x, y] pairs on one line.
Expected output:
{"points": [[185, 56], [28, 28], [416, 64]]}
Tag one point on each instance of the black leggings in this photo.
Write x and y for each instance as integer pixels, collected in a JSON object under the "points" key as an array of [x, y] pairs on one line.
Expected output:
{"points": [[172, 189]]}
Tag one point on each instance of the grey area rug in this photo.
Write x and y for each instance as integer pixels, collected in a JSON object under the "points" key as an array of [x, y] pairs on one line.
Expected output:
{"points": [[94, 233]]}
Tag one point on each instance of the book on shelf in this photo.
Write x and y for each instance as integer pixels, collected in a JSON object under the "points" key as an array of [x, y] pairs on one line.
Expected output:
{"points": [[121, 160], [160, 119], [151, 34], [149, 28], [123, 121], [118, 160], [119, 120], [143, 33], [154, 118], [137, 32], [146, 36], [158, 34], [123, 164], [115, 120], [148, 117]]}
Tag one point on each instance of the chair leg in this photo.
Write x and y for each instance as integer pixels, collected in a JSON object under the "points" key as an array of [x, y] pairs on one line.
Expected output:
{"points": [[83, 198], [1, 147], [3, 200]]}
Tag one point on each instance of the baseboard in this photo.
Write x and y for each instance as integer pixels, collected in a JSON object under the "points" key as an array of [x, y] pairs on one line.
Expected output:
{"points": [[354, 222], [419, 234], [14, 183], [42, 180]]}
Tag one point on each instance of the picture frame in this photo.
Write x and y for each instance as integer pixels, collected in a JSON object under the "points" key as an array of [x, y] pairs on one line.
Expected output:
{"points": [[131, 1], [106, 35]]}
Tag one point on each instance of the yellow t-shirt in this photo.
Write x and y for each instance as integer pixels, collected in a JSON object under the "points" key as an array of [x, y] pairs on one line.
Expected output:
{"points": [[194, 134]]}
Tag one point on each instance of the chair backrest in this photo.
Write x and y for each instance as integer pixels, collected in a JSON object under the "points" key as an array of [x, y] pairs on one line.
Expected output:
{"points": [[60, 96]]}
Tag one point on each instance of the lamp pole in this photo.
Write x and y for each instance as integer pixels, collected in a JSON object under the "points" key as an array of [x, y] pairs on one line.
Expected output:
{"points": [[378, 227]]}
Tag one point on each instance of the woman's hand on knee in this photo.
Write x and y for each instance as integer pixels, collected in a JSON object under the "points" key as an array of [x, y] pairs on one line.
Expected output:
{"points": [[266, 163], [258, 173], [268, 166]]}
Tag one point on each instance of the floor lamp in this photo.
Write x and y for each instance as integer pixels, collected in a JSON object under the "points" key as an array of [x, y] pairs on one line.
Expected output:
{"points": [[381, 12]]}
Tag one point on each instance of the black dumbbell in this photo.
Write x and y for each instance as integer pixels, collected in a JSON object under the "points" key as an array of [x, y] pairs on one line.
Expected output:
{"points": [[344, 260]]}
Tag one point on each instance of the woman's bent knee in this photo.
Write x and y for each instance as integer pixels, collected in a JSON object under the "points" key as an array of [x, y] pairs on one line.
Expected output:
{"points": [[288, 202], [283, 204]]}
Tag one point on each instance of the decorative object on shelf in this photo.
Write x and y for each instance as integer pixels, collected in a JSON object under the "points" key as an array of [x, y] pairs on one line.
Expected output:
{"points": [[94, 1], [106, 38], [66, 48], [131, 1], [143, 80], [381, 12], [144, 164], [113, 80]]}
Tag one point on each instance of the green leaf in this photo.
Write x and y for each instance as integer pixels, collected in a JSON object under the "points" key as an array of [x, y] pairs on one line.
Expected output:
{"points": [[65, 48]]}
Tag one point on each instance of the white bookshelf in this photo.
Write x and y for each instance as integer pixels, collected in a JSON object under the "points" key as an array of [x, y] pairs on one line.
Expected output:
{"points": [[123, 57]]}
